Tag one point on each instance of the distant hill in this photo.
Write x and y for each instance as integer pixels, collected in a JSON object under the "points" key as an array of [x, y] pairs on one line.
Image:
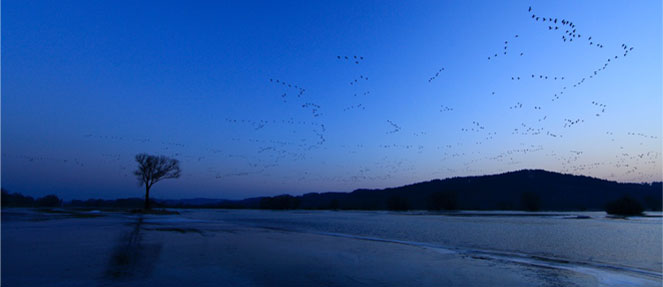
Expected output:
{"points": [[517, 190]]}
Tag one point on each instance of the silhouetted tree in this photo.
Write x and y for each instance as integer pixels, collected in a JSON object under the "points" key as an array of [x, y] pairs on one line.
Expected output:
{"points": [[334, 205], [447, 200], [531, 201], [5, 197], [653, 202], [624, 206], [152, 169], [50, 200], [279, 202], [397, 203], [16, 199]]}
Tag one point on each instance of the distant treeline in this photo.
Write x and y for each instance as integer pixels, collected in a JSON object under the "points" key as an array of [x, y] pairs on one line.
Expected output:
{"points": [[530, 190], [19, 200]]}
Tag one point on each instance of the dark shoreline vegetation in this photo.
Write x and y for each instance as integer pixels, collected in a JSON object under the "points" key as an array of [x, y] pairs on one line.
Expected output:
{"points": [[528, 190]]}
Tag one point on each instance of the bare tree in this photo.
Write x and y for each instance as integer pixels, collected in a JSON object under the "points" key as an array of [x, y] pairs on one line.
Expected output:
{"points": [[152, 169]]}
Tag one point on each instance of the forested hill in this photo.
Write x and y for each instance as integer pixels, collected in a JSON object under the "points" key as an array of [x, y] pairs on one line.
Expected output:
{"points": [[518, 190]]}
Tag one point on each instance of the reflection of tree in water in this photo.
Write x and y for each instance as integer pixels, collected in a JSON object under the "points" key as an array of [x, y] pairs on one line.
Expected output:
{"points": [[556, 277], [132, 257]]}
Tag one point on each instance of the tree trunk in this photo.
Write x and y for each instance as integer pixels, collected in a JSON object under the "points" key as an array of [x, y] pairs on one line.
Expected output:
{"points": [[147, 196]]}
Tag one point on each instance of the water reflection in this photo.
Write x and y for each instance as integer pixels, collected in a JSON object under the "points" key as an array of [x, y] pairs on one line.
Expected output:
{"points": [[132, 258], [553, 277]]}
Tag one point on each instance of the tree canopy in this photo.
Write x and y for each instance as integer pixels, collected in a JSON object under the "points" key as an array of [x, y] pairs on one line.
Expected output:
{"points": [[152, 169]]}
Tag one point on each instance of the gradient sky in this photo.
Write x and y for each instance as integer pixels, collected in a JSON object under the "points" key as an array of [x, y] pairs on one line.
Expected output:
{"points": [[86, 85]]}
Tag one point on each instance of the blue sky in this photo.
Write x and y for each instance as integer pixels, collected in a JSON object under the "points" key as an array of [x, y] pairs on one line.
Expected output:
{"points": [[86, 86]]}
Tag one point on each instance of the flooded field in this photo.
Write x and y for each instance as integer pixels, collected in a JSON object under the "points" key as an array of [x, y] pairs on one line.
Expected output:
{"points": [[269, 248]]}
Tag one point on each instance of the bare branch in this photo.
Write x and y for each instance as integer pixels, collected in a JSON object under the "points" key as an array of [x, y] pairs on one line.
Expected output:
{"points": [[152, 169]]}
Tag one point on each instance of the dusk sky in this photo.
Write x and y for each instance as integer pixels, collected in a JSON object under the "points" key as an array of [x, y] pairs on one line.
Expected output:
{"points": [[257, 98]]}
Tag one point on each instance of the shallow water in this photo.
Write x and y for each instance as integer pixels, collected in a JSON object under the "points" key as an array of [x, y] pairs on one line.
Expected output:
{"points": [[296, 248], [633, 243]]}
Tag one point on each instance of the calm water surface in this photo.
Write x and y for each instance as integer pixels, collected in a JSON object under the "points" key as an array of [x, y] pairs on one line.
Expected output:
{"points": [[239, 247], [633, 243]]}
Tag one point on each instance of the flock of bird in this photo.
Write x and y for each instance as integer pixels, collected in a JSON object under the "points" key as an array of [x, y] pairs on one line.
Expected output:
{"points": [[355, 59], [569, 122], [299, 90], [315, 108], [476, 127], [363, 94], [505, 50], [437, 74], [361, 77], [444, 108], [542, 77], [600, 106], [518, 105], [305, 137], [357, 106], [396, 128], [569, 34]]}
